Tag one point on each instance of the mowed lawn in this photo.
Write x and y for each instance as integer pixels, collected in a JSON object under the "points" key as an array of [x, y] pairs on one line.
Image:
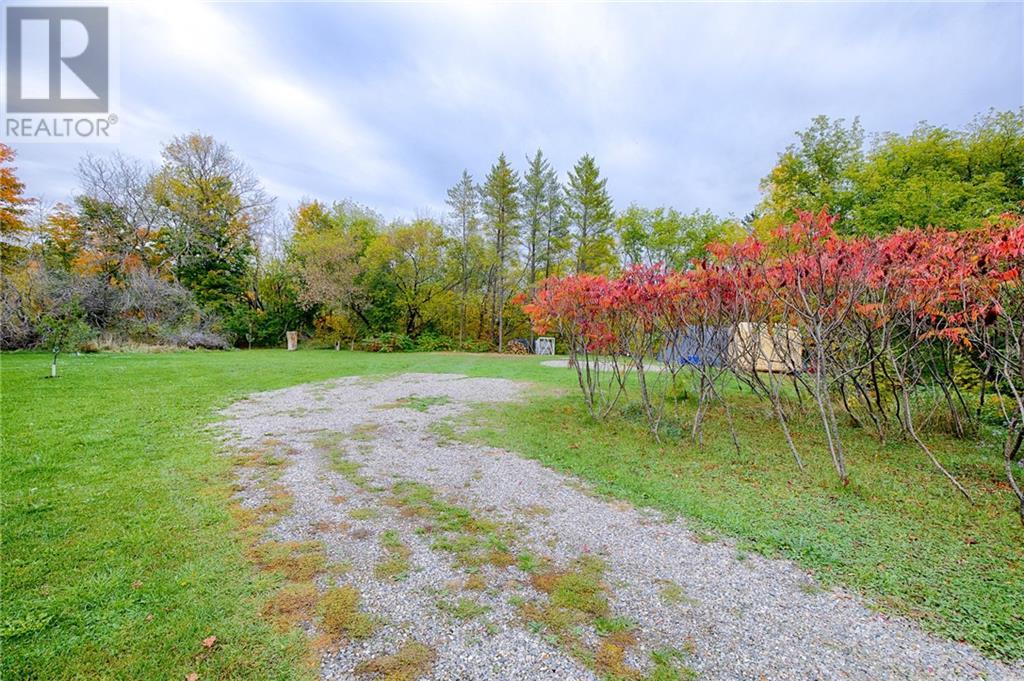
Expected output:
{"points": [[119, 556]]}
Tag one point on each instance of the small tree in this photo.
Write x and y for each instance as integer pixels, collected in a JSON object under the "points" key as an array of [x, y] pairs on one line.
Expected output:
{"points": [[64, 330]]}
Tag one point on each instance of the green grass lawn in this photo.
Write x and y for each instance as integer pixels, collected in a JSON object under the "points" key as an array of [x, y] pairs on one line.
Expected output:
{"points": [[119, 556]]}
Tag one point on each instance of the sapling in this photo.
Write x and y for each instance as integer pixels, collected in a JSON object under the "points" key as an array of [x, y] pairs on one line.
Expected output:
{"points": [[63, 330]]}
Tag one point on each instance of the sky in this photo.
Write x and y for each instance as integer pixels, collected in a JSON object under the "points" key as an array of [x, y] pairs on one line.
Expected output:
{"points": [[683, 105]]}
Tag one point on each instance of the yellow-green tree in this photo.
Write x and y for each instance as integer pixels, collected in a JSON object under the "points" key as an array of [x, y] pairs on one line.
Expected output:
{"points": [[413, 257]]}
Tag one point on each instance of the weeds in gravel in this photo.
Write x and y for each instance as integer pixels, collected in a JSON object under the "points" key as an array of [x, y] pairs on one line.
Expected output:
{"points": [[293, 603], [396, 566], [390, 540], [363, 513], [577, 600], [473, 541], [341, 616], [340, 463], [416, 403], [364, 432], [462, 608], [670, 665], [259, 458], [667, 664], [295, 561], [612, 625], [536, 510], [810, 588], [348, 469], [412, 661], [527, 562], [500, 558], [444, 432], [673, 594], [475, 583], [327, 439], [279, 503], [610, 658]]}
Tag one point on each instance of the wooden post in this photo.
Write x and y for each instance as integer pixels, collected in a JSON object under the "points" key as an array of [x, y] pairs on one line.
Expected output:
{"points": [[293, 340]]}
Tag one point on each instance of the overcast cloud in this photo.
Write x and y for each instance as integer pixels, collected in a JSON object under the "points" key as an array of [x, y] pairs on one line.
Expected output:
{"points": [[682, 105]]}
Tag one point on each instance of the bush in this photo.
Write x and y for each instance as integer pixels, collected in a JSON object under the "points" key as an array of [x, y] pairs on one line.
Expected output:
{"points": [[432, 342], [198, 338], [388, 342], [17, 329], [474, 345]]}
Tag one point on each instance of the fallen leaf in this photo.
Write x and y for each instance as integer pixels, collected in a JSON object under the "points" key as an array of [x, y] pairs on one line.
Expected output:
{"points": [[209, 641]]}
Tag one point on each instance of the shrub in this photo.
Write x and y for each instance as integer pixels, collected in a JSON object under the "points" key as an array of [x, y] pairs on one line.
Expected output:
{"points": [[388, 342], [474, 345], [429, 341], [198, 338]]}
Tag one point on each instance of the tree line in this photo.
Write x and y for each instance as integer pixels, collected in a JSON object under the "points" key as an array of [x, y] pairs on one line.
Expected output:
{"points": [[193, 251]]}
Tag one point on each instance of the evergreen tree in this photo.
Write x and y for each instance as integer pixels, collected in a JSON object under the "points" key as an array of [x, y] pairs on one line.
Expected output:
{"points": [[589, 209], [541, 216], [464, 202], [500, 201]]}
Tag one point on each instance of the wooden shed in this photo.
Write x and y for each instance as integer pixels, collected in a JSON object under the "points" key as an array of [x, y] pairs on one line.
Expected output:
{"points": [[775, 348]]}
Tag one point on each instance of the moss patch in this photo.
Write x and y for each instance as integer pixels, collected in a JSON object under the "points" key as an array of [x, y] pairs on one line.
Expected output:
{"points": [[295, 561], [411, 661], [339, 610], [578, 588], [673, 594], [292, 604]]}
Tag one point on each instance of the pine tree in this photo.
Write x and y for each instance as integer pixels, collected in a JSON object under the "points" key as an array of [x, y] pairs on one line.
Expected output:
{"points": [[501, 206], [464, 202], [589, 209], [540, 209]]}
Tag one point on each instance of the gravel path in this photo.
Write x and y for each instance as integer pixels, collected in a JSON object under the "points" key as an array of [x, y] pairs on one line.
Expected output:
{"points": [[725, 614]]}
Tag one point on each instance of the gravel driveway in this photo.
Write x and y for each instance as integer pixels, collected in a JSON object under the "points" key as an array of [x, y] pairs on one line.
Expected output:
{"points": [[499, 568]]}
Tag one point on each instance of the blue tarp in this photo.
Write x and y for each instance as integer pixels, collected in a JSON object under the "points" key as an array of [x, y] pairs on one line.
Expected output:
{"points": [[699, 346]]}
